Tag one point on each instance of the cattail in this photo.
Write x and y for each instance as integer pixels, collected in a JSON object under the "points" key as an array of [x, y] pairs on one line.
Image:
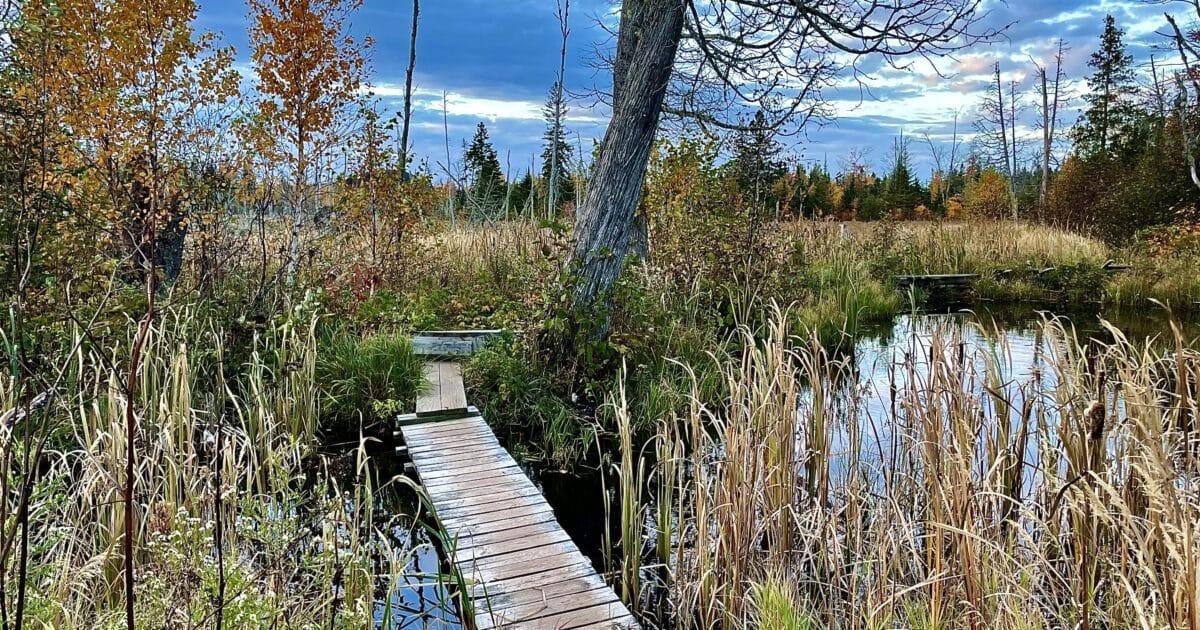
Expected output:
{"points": [[1094, 415]]}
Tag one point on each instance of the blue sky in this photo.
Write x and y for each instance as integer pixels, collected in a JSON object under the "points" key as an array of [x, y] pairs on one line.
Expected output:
{"points": [[496, 59]]}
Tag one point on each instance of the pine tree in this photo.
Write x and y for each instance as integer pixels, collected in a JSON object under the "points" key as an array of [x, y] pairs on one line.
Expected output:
{"points": [[756, 164], [485, 179], [556, 134], [1111, 114]]}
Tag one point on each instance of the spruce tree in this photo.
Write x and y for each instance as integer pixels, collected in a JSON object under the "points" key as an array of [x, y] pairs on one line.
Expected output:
{"points": [[556, 135], [485, 179], [756, 164], [1111, 115], [901, 192]]}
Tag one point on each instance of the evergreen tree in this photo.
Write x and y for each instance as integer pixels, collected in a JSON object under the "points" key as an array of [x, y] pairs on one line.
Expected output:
{"points": [[485, 179], [820, 199], [524, 192], [556, 134], [901, 192], [756, 164], [1110, 119]]}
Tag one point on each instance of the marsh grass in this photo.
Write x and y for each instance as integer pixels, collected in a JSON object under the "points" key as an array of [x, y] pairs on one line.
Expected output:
{"points": [[237, 515], [975, 501], [365, 379]]}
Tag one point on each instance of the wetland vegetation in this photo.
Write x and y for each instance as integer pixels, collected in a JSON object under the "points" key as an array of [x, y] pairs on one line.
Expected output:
{"points": [[708, 366]]}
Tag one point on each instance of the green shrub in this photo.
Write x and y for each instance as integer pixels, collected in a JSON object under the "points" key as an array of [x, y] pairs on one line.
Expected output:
{"points": [[520, 403], [363, 378]]}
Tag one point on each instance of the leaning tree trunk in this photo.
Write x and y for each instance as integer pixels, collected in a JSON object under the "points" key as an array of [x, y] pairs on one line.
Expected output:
{"points": [[649, 36]]}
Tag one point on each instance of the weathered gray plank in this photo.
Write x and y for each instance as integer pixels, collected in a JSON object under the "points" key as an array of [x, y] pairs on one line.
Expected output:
{"points": [[575, 614], [454, 395], [525, 570], [431, 398], [497, 516]]}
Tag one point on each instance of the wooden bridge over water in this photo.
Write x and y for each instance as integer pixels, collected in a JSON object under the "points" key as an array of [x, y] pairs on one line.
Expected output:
{"points": [[522, 569]]}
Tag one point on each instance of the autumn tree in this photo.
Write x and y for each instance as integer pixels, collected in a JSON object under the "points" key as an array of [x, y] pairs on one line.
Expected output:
{"points": [[309, 70], [987, 195], [130, 77], [695, 59]]}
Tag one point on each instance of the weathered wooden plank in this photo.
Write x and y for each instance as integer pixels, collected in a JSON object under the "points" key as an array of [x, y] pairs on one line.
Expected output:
{"points": [[431, 428], [472, 538], [449, 499], [450, 460], [488, 490], [435, 472], [503, 524], [430, 399], [452, 436], [464, 463], [485, 504], [576, 614], [943, 279], [480, 476], [451, 447], [497, 569], [445, 454], [451, 342], [525, 570], [443, 346], [454, 394], [496, 516], [587, 587]]}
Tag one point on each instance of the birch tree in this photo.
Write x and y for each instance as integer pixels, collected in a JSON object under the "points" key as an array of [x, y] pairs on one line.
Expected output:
{"points": [[309, 70]]}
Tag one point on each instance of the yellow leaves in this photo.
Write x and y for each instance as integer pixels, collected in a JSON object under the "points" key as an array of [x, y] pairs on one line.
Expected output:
{"points": [[988, 195], [308, 70]]}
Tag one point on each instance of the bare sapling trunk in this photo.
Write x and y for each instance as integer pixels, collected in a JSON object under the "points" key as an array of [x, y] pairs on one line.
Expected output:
{"points": [[1051, 93], [408, 79], [563, 14], [297, 216], [606, 219]]}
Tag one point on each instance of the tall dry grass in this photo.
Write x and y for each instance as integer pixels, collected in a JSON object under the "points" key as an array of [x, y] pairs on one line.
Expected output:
{"points": [[974, 500], [236, 516]]}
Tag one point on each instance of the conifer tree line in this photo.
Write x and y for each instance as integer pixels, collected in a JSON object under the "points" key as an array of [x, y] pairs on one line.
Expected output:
{"points": [[1124, 163]]}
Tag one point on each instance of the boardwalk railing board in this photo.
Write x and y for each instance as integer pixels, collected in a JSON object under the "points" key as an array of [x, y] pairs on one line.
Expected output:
{"points": [[523, 568], [945, 279], [452, 343]]}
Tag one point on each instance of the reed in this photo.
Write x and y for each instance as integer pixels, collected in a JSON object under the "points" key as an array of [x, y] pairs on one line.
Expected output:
{"points": [[237, 517], [966, 499]]}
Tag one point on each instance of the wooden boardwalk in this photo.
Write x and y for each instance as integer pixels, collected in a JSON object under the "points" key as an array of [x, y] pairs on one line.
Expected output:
{"points": [[524, 570]]}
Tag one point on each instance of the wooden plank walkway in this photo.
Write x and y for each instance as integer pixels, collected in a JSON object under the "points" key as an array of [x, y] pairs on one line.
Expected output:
{"points": [[524, 569], [444, 388]]}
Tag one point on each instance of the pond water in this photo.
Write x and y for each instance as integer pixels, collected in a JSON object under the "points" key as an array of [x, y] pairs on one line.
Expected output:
{"points": [[871, 364]]}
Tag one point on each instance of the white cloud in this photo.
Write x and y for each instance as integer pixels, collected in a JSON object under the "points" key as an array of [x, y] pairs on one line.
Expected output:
{"points": [[489, 108]]}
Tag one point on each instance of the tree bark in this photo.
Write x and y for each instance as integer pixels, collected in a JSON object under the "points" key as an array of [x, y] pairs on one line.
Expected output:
{"points": [[648, 38]]}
